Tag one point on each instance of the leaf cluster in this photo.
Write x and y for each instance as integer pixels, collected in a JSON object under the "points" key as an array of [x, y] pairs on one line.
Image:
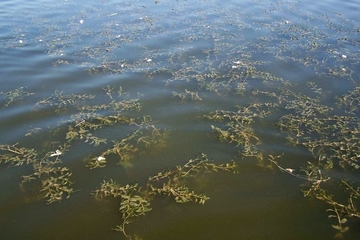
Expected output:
{"points": [[134, 202], [173, 182], [15, 95], [16, 156], [55, 180], [238, 127], [194, 96], [146, 135], [333, 140], [61, 100]]}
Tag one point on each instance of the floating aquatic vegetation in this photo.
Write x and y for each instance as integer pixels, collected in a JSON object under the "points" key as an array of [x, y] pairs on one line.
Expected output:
{"points": [[331, 135], [132, 204], [194, 96], [146, 135], [152, 137], [351, 100], [84, 120], [135, 202], [171, 182], [124, 148], [216, 56], [60, 99], [17, 155], [83, 134], [55, 180], [333, 141], [238, 127], [89, 118], [15, 95], [331, 138]]}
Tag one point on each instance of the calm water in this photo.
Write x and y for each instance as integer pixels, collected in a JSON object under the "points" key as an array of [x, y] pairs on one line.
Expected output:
{"points": [[181, 60]]}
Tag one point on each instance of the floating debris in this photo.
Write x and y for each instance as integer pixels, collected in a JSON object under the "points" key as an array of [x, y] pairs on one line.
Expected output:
{"points": [[57, 153]]}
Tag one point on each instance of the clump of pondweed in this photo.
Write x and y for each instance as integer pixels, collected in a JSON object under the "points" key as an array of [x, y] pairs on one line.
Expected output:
{"points": [[146, 135], [64, 100], [341, 209], [55, 180], [15, 95], [351, 100], [238, 128], [333, 140], [172, 182], [134, 202], [187, 94], [84, 121], [87, 119]]}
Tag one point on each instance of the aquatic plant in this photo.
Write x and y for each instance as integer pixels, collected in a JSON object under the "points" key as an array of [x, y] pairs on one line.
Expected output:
{"points": [[194, 96], [333, 141], [134, 202], [55, 180], [15, 95], [238, 129], [84, 120], [225, 66], [330, 135], [171, 182], [146, 135]]}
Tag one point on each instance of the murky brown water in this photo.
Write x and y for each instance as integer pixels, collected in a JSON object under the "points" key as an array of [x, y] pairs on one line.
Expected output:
{"points": [[66, 62]]}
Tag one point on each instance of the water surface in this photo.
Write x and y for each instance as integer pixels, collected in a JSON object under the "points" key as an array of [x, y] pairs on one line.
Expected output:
{"points": [[181, 60]]}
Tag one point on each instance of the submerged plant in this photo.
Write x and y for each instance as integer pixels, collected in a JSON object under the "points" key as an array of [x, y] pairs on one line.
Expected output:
{"points": [[333, 140], [15, 95], [171, 182], [194, 96], [145, 135], [62, 100], [238, 129], [226, 66], [14, 155], [134, 202], [55, 180]]}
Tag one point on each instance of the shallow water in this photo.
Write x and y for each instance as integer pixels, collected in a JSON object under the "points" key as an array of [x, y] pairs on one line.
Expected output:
{"points": [[160, 52]]}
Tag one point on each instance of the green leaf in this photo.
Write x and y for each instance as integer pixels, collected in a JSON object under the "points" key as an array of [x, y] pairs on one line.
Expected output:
{"points": [[336, 227], [344, 220]]}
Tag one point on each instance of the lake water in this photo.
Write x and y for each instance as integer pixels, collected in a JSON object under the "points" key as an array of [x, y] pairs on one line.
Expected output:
{"points": [[160, 79]]}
